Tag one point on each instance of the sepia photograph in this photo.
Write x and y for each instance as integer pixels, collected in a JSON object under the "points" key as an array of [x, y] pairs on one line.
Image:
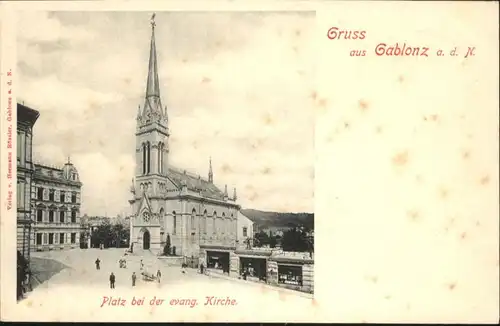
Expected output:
{"points": [[164, 149], [249, 161]]}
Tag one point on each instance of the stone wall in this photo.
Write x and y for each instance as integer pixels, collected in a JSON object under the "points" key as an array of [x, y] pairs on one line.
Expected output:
{"points": [[308, 278]]}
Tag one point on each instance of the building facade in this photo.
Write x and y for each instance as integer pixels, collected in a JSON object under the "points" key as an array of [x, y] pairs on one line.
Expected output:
{"points": [[245, 232], [198, 218], [57, 198], [26, 119]]}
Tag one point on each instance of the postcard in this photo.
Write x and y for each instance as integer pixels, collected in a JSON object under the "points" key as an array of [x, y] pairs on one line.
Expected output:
{"points": [[249, 161]]}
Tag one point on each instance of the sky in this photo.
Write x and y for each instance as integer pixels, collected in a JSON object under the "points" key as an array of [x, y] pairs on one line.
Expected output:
{"points": [[237, 87]]}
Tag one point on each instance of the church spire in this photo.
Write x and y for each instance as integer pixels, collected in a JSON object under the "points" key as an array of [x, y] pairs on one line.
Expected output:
{"points": [[152, 101], [210, 172]]}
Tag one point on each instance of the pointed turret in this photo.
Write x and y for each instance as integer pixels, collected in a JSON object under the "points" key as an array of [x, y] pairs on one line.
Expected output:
{"points": [[139, 113], [234, 194], [226, 196], [152, 102], [210, 172], [132, 187]]}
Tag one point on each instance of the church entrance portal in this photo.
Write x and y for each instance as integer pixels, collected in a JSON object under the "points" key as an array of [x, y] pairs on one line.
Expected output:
{"points": [[146, 240]]}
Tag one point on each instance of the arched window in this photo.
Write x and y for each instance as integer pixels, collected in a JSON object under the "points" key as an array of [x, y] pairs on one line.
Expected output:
{"points": [[193, 219], [160, 157], [148, 161], [214, 223], [162, 153], [205, 217], [223, 228], [161, 217], [175, 223], [143, 148]]}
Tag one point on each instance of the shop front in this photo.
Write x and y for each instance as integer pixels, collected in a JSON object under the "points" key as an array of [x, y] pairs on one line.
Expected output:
{"points": [[290, 274], [253, 264], [294, 273], [217, 258]]}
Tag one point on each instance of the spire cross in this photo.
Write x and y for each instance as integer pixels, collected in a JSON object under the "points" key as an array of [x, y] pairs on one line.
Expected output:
{"points": [[153, 24], [69, 160]]}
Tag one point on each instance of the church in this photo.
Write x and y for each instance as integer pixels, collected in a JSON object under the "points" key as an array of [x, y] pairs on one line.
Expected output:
{"points": [[197, 217]]}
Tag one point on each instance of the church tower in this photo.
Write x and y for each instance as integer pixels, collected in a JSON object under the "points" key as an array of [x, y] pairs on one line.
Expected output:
{"points": [[151, 158], [152, 132]]}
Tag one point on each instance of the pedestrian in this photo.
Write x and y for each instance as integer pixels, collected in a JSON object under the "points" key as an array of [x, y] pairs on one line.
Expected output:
{"points": [[97, 264], [158, 275], [134, 278], [112, 280], [142, 265], [202, 268], [27, 281]]}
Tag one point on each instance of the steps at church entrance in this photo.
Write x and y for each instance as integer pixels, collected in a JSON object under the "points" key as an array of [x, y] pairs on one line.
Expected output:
{"points": [[171, 260], [143, 253]]}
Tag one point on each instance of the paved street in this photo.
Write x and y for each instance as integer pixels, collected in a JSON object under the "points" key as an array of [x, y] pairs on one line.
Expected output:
{"points": [[76, 293]]}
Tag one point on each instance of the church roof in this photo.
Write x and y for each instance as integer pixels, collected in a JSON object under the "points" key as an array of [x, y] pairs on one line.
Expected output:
{"points": [[195, 183]]}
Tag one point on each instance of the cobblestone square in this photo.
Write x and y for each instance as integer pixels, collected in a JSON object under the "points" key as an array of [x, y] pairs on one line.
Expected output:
{"points": [[78, 291]]}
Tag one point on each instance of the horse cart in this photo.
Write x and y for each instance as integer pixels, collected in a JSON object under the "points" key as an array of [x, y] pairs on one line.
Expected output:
{"points": [[149, 277]]}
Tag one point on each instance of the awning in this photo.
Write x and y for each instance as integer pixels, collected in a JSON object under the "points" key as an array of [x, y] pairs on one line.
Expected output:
{"points": [[290, 265], [253, 257], [290, 260], [253, 253]]}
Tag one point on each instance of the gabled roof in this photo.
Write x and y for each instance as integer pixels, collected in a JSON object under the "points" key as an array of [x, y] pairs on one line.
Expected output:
{"points": [[144, 204], [240, 214], [195, 183]]}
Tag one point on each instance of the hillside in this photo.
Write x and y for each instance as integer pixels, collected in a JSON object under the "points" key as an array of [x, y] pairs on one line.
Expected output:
{"points": [[273, 219]]}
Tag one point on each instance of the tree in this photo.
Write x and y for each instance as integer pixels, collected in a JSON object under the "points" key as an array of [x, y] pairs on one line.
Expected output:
{"points": [[120, 235], [166, 249], [103, 235], [296, 239], [272, 241], [84, 236], [262, 239]]}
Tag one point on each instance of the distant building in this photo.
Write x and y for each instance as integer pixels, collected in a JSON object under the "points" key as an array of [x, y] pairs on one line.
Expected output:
{"points": [[245, 231], [95, 221], [274, 230], [121, 221], [26, 118], [57, 197]]}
